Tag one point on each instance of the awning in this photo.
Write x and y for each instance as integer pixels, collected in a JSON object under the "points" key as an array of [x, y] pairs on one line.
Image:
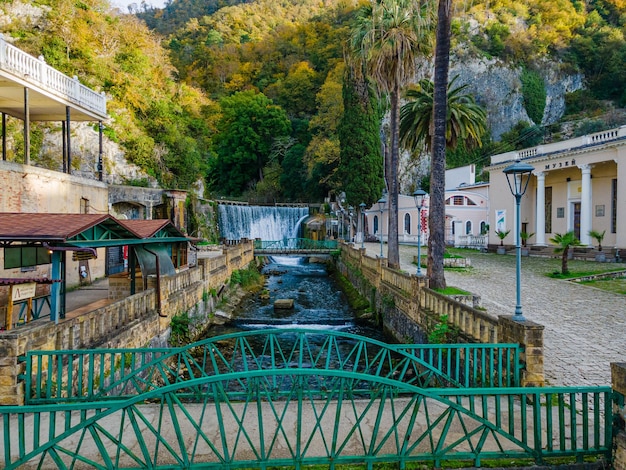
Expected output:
{"points": [[147, 260]]}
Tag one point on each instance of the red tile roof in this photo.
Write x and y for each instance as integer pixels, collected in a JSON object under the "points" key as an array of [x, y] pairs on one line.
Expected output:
{"points": [[144, 228], [39, 226]]}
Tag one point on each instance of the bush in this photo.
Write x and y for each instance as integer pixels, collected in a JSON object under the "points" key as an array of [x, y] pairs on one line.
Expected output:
{"points": [[534, 92]]}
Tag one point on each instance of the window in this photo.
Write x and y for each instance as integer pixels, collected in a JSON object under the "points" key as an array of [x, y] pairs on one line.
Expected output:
{"points": [[548, 209], [483, 228], [614, 206], [470, 202], [448, 201], [458, 200], [375, 224], [84, 205], [21, 257], [468, 227], [407, 223]]}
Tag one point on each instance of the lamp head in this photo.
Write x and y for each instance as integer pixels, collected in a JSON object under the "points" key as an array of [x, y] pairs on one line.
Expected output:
{"points": [[419, 195], [518, 176]]}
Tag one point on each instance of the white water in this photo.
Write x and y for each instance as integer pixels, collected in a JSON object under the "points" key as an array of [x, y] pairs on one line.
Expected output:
{"points": [[265, 222]]}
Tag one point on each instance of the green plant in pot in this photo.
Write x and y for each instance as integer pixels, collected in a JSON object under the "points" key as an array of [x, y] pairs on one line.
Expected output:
{"points": [[502, 234], [598, 236], [525, 236]]}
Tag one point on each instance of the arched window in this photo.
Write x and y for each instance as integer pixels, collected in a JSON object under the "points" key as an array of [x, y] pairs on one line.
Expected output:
{"points": [[483, 228], [468, 227], [375, 224], [407, 223]]}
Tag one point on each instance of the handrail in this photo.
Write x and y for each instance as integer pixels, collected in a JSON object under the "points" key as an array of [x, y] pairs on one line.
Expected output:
{"points": [[35, 70]]}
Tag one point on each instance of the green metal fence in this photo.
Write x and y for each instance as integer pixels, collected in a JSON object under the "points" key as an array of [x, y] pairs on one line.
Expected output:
{"points": [[473, 365], [238, 421], [75, 375]]}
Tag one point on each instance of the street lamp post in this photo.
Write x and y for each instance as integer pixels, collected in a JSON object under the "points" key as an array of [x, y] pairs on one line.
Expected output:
{"points": [[341, 225], [518, 176], [381, 205], [419, 195], [362, 206], [351, 209]]}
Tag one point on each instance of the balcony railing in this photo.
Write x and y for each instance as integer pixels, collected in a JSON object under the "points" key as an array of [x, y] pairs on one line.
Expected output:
{"points": [[40, 74]]}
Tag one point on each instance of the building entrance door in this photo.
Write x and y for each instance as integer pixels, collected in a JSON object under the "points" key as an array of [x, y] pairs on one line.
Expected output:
{"points": [[577, 219]]}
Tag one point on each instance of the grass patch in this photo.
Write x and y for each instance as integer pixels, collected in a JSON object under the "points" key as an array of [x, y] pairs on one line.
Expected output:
{"points": [[576, 274], [617, 286], [451, 290], [249, 279]]}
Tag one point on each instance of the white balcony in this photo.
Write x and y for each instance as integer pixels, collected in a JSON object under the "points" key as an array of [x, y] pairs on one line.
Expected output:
{"points": [[50, 91]]}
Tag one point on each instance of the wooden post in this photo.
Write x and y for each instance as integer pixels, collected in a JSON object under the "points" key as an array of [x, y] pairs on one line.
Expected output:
{"points": [[9, 324]]}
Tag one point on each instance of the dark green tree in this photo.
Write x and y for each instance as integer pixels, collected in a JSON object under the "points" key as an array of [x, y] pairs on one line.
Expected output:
{"points": [[361, 160], [246, 131]]}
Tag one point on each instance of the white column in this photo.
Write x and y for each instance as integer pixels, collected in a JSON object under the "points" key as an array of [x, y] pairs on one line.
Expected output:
{"points": [[540, 221], [585, 205]]}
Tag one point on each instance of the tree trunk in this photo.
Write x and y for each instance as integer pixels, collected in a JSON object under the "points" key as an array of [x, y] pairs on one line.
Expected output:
{"points": [[437, 216], [564, 268], [393, 250]]}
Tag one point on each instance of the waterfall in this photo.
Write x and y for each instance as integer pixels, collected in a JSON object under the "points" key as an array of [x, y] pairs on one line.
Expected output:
{"points": [[264, 222]]}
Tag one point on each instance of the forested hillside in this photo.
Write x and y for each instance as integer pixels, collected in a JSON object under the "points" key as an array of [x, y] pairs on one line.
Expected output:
{"points": [[250, 97]]}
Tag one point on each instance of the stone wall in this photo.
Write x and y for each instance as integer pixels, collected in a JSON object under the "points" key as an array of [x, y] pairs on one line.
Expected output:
{"points": [[410, 310], [32, 189], [618, 383], [131, 322]]}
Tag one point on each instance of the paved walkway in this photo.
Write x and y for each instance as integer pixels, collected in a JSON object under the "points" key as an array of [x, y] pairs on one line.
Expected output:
{"points": [[585, 328]]}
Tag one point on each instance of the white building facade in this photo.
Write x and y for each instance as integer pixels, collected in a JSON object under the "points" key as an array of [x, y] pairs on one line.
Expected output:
{"points": [[467, 213], [577, 185]]}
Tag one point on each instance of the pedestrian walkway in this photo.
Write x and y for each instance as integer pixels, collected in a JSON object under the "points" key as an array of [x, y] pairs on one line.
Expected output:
{"points": [[585, 328]]}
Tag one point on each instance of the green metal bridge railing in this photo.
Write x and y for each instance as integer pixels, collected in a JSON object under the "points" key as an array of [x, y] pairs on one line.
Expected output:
{"points": [[248, 426], [100, 374], [287, 245]]}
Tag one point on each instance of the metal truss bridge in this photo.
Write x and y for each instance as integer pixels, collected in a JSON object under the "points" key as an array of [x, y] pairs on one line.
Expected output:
{"points": [[271, 398]]}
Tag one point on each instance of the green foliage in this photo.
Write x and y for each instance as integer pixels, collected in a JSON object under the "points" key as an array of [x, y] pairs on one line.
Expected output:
{"points": [[180, 333], [249, 125], [534, 93], [249, 278], [439, 333], [597, 236], [564, 241], [521, 136], [361, 162], [466, 121], [502, 234]]}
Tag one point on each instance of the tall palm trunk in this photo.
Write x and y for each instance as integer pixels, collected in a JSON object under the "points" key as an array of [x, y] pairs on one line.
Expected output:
{"points": [[437, 215], [393, 251]]}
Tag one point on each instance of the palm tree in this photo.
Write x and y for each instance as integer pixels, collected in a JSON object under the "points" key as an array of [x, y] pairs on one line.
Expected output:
{"points": [[564, 242], [465, 122], [387, 39], [437, 217]]}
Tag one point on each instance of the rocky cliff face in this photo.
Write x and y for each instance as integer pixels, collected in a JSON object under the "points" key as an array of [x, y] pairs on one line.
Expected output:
{"points": [[498, 88]]}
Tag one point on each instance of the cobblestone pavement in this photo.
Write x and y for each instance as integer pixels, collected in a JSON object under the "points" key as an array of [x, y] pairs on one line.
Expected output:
{"points": [[585, 328]]}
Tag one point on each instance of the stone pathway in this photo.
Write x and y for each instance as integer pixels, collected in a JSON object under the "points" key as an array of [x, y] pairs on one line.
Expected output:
{"points": [[585, 328]]}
